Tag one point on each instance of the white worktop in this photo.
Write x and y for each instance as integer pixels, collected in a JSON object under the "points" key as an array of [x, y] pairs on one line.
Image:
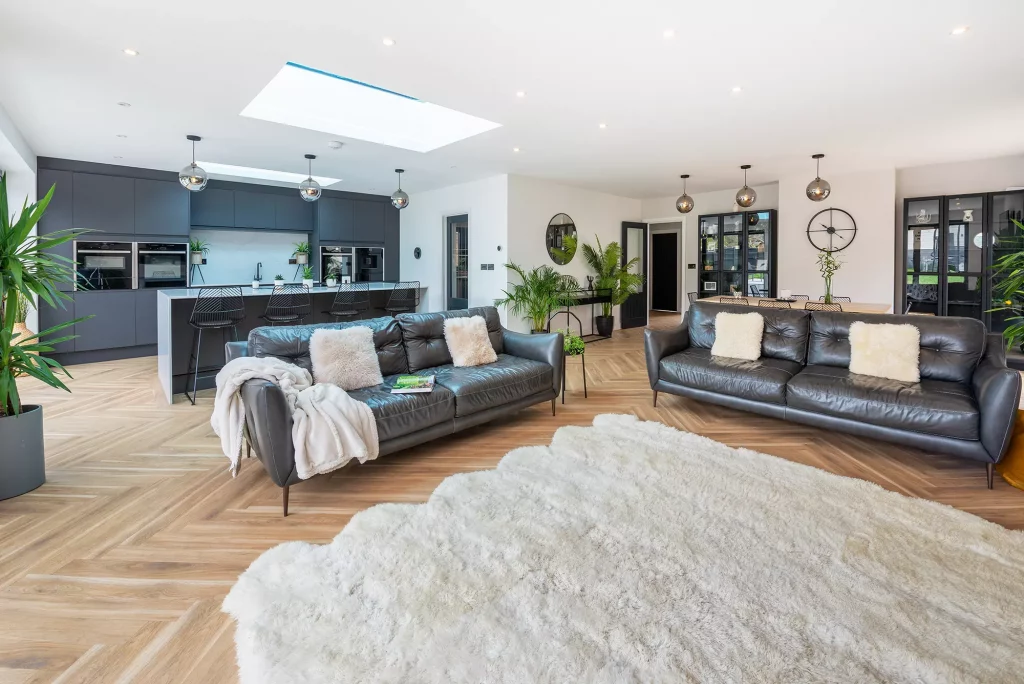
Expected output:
{"points": [[266, 290]]}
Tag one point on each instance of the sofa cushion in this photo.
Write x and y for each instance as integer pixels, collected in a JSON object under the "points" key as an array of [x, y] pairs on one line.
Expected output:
{"points": [[401, 414], [934, 407], [950, 346], [346, 358], [482, 387], [761, 380], [785, 330], [738, 336], [468, 342], [884, 350], [423, 334], [291, 343]]}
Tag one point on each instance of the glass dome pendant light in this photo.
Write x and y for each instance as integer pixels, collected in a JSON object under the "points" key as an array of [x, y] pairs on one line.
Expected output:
{"points": [[399, 198], [309, 189], [818, 189], [193, 178], [745, 196], [684, 204]]}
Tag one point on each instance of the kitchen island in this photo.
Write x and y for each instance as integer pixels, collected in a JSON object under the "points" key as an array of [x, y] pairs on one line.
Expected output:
{"points": [[175, 334]]}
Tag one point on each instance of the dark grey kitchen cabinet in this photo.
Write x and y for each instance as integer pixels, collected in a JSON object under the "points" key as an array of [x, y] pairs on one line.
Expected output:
{"points": [[392, 245], [50, 316], [367, 222], [145, 316], [293, 213], [335, 216], [103, 203], [58, 212], [212, 207], [113, 319], [161, 208], [254, 210]]}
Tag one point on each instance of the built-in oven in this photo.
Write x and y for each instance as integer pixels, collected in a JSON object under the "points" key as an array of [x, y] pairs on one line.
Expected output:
{"points": [[336, 262], [369, 264], [162, 264], [104, 265]]}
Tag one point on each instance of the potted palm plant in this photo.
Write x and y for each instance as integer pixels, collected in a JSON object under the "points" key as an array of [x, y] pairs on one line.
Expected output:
{"points": [[198, 249], [541, 290], [611, 276], [27, 269], [301, 253], [1008, 286]]}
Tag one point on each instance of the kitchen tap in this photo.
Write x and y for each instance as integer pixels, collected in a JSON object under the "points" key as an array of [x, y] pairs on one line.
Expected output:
{"points": [[259, 271]]}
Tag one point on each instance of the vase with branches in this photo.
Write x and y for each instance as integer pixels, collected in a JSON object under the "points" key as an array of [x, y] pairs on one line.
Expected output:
{"points": [[1008, 286], [540, 291], [618, 279], [828, 265]]}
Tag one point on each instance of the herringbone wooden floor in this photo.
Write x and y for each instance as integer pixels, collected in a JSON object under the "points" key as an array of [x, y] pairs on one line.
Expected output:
{"points": [[115, 569]]}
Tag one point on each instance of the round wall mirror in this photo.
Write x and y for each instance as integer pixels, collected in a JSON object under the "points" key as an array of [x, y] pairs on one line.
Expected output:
{"points": [[560, 227]]}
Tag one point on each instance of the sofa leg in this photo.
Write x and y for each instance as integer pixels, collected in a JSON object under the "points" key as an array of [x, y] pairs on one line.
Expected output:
{"points": [[248, 449], [990, 472], [655, 398], [285, 501], [552, 407]]}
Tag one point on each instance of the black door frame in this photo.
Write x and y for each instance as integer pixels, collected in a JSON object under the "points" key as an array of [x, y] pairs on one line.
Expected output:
{"points": [[630, 311]]}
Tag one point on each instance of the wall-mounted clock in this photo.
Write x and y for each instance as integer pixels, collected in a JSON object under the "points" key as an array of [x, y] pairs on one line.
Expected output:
{"points": [[831, 230]]}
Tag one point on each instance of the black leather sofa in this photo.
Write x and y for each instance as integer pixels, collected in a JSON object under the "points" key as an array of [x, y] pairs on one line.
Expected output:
{"points": [[965, 404], [528, 371]]}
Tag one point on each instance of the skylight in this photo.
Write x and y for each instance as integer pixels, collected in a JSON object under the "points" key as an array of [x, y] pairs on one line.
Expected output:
{"points": [[264, 174], [320, 101]]}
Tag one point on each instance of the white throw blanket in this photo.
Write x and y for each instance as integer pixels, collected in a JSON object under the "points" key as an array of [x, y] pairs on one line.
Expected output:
{"points": [[329, 428]]}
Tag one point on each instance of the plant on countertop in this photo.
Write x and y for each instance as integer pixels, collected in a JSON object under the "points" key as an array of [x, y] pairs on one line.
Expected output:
{"points": [[199, 246], [1008, 286], [307, 272], [828, 265], [279, 277], [574, 345], [541, 290], [611, 274], [27, 269]]}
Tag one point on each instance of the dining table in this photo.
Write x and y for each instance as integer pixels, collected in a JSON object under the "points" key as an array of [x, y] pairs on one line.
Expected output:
{"points": [[851, 307]]}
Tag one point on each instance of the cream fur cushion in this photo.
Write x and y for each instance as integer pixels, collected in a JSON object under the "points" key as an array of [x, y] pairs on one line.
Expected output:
{"points": [[468, 342], [346, 357], [885, 350], [738, 336]]}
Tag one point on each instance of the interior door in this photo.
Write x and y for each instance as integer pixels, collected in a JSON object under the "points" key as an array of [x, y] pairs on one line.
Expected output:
{"points": [[664, 272], [457, 284], [633, 312]]}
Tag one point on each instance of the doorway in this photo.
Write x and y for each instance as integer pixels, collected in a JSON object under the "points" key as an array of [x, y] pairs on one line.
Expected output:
{"points": [[633, 311], [457, 250], [666, 283]]}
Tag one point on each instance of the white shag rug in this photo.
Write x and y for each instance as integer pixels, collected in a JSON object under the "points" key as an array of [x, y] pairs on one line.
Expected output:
{"points": [[631, 552]]}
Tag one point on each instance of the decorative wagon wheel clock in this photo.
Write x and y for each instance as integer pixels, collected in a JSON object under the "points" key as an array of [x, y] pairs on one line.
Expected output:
{"points": [[831, 230]]}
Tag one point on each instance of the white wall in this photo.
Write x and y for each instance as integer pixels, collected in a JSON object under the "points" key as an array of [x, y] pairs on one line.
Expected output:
{"points": [[867, 271], [531, 204], [234, 254], [423, 226], [18, 161]]}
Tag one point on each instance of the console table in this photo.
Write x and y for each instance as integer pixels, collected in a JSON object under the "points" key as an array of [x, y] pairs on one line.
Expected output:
{"points": [[582, 298]]}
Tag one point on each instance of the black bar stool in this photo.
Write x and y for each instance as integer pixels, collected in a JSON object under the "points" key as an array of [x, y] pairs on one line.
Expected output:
{"points": [[405, 298], [351, 299], [216, 308], [289, 304]]}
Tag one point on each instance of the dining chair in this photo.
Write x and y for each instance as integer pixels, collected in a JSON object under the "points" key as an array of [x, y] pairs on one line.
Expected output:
{"points": [[774, 304], [836, 299], [289, 304], [691, 297], [732, 300], [800, 297], [216, 308], [350, 301], [822, 306]]}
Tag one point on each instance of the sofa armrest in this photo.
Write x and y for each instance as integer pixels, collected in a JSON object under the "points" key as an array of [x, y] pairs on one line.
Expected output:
{"points": [[997, 391], [661, 343], [235, 350], [547, 348], [268, 421]]}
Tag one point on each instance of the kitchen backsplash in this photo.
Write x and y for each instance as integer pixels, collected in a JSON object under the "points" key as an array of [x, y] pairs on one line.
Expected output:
{"points": [[234, 254]]}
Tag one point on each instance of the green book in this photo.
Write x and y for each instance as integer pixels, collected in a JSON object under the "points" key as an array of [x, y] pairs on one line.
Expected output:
{"points": [[407, 384]]}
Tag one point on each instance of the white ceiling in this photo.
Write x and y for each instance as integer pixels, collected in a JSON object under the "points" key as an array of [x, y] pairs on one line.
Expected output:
{"points": [[870, 83]]}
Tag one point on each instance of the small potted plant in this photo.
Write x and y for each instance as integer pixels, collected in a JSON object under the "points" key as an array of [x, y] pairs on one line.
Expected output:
{"points": [[279, 280], [307, 276], [542, 290], [301, 253], [332, 276], [199, 250], [573, 345]]}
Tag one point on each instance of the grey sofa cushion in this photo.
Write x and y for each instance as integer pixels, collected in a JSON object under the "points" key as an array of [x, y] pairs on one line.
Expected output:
{"points": [[494, 384], [950, 346], [401, 414], [424, 335], [934, 407], [291, 343], [785, 330], [761, 380]]}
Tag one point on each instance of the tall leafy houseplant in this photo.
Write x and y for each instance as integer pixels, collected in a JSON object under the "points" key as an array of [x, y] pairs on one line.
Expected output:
{"points": [[828, 265], [542, 290], [614, 276], [1008, 286], [27, 269]]}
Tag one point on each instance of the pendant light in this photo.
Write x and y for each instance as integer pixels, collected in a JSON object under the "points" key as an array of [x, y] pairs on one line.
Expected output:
{"points": [[684, 204], [818, 189], [745, 196], [193, 178], [399, 198], [309, 189]]}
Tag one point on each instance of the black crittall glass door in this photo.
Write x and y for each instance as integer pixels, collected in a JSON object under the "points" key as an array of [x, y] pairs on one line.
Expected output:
{"points": [[458, 262]]}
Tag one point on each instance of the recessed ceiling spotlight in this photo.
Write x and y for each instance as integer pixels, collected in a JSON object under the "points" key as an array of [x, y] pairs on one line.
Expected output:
{"points": [[121, 135], [520, 93], [737, 89], [335, 144], [124, 104], [959, 30], [117, 156], [130, 52], [515, 149], [668, 34], [388, 41], [602, 125]]}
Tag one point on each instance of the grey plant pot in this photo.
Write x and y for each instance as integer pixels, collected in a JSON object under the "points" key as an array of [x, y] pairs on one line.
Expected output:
{"points": [[22, 458]]}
